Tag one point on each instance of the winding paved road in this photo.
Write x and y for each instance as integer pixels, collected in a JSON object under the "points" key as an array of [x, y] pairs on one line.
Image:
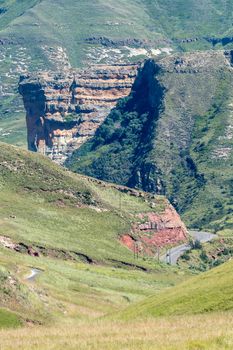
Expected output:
{"points": [[176, 252]]}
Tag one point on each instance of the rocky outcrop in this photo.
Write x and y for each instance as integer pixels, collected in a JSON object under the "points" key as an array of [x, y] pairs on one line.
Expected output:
{"points": [[212, 40], [223, 41], [156, 231], [64, 110], [175, 131], [4, 41], [135, 43]]}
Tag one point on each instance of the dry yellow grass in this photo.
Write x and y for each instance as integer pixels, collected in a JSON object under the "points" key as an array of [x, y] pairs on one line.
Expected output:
{"points": [[204, 332]]}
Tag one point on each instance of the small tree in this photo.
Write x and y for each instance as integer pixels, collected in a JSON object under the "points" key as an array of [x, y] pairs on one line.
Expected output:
{"points": [[195, 244]]}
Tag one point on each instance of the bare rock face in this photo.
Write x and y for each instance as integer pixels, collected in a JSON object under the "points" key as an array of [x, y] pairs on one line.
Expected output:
{"points": [[64, 110], [155, 231]]}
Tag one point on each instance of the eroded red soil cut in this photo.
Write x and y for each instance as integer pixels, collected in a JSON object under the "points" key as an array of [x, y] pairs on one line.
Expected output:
{"points": [[156, 230]]}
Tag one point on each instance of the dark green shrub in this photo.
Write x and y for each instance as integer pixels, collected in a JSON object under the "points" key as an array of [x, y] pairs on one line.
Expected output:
{"points": [[185, 256], [195, 244], [204, 256]]}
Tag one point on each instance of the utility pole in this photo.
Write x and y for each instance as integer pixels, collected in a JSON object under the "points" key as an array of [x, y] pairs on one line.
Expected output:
{"points": [[136, 250], [158, 249], [120, 200]]}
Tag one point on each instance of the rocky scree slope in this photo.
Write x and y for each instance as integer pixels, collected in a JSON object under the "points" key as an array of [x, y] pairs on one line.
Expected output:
{"points": [[64, 110], [173, 136]]}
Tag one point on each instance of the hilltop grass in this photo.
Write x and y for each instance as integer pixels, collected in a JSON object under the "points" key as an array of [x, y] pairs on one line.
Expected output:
{"points": [[39, 203], [84, 230], [126, 19]]}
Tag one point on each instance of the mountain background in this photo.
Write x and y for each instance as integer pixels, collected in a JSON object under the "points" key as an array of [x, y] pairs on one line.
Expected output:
{"points": [[173, 136], [46, 34]]}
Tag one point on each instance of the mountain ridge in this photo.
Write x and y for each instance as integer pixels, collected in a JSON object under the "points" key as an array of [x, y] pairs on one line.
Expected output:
{"points": [[41, 39], [195, 96]]}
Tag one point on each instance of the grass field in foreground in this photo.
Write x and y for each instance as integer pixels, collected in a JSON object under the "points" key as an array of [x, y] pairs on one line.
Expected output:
{"points": [[67, 291], [78, 295], [206, 332]]}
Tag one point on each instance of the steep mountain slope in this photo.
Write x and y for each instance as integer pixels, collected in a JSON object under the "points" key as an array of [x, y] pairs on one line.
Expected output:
{"points": [[36, 34], [211, 291], [70, 227], [173, 136]]}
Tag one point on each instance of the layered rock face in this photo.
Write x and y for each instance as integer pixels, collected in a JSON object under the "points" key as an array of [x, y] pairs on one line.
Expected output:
{"points": [[64, 110]]}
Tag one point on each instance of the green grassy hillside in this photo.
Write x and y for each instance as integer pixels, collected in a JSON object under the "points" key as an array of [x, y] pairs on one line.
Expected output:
{"points": [[67, 292], [141, 19], [208, 292], [11, 9], [43, 204], [78, 295], [74, 223]]}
